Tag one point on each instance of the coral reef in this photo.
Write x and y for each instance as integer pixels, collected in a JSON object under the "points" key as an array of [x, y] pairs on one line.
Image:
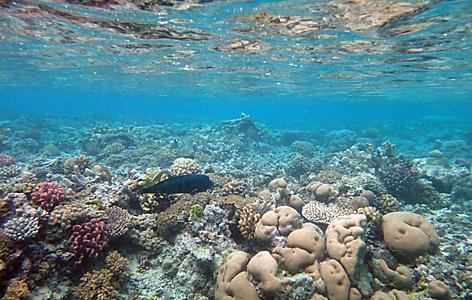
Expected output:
{"points": [[293, 214]]}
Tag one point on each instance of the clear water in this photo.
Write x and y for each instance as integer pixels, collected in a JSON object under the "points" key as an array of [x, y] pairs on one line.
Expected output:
{"points": [[415, 65], [385, 69]]}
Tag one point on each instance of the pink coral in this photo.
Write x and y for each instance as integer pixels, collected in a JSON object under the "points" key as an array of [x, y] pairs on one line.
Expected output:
{"points": [[47, 195], [6, 160], [89, 239]]}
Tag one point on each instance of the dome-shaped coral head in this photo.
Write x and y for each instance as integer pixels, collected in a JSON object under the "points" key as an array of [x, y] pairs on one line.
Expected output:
{"points": [[89, 240], [6, 160], [47, 195]]}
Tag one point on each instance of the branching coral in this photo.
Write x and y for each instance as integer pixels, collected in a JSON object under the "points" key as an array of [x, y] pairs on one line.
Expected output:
{"points": [[182, 166], [47, 195], [17, 290], [248, 219], [103, 284], [118, 220], [89, 239]]}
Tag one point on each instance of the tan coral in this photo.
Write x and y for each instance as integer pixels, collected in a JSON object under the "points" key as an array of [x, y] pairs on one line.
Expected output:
{"points": [[392, 295], [408, 234], [344, 242], [280, 221], [278, 183], [438, 290], [336, 280], [296, 202], [400, 278], [17, 290], [232, 282], [103, 283], [263, 268], [248, 219], [304, 247]]}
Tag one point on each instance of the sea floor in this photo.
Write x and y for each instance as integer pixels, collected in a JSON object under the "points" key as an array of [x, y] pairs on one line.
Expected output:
{"points": [[293, 214]]}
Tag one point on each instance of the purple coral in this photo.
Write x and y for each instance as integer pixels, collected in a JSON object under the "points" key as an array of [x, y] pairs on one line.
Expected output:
{"points": [[89, 239], [118, 221], [400, 176]]}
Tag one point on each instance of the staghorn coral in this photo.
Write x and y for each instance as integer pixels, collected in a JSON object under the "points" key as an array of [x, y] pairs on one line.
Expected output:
{"points": [[89, 239], [318, 212], [118, 221], [248, 219], [47, 195], [182, 166], [103, 284]]}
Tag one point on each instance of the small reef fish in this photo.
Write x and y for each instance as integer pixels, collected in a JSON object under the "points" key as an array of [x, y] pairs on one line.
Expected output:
{"points": [[187, 184]]}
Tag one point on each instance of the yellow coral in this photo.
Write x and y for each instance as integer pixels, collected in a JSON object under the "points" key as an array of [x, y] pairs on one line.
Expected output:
{"points": [[372, 214], [17, 290], [248, 219]]}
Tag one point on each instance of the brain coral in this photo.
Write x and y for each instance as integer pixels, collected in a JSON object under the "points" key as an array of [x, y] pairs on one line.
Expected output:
{"points": [[408, 235]]}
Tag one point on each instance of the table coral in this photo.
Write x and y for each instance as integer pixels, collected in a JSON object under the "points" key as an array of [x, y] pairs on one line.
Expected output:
{"points": [[318, 212]]}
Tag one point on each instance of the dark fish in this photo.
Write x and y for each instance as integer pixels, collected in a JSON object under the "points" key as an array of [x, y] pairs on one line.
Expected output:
{"points": [[188, 184]]}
